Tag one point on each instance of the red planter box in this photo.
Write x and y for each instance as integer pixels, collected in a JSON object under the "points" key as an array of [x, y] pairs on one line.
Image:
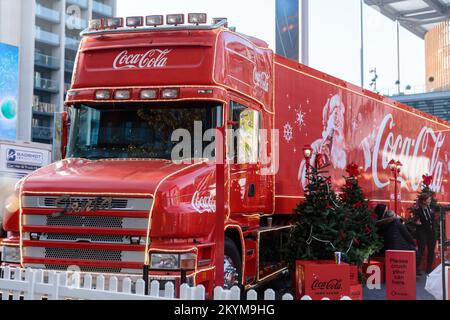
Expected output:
{"points": [[354, 275], [322, 279], [356, 292]]}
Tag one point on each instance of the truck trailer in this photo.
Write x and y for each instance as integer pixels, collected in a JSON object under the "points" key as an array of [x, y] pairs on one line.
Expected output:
{"points": [[118, 203]]}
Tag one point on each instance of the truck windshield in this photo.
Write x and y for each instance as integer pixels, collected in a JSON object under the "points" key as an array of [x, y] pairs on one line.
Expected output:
{"points": [[140, 130]]}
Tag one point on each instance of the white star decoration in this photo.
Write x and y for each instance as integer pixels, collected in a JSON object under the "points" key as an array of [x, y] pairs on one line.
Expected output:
{"points": [[300, 118], [288, 132]]}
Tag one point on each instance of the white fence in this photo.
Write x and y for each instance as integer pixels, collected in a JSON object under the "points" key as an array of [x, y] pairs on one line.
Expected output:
{"points": [[35, 284]]}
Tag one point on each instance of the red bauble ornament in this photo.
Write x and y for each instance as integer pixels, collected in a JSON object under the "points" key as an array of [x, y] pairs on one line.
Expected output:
{"points": [[353, 170], [356, 243], [427, 180], [358, 205], [341, 236]]}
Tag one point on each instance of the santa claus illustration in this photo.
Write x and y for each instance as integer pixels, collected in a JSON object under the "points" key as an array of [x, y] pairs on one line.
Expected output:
{"points": [[331, 145]]}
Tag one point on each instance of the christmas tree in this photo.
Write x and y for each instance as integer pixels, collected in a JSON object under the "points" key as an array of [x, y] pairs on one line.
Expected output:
{"points": [[326, 223], [318, 221], [359, 221]]}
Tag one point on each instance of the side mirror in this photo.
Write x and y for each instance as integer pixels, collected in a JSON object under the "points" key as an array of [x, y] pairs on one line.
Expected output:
{"points": [[60, 135]]}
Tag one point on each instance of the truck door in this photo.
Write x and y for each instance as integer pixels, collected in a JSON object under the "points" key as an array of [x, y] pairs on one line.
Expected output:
{"points": [[247, 194]]}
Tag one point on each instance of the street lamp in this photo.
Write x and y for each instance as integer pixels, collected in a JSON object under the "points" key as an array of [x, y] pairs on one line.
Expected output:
{"points": [[395, 167], [307, 152]]}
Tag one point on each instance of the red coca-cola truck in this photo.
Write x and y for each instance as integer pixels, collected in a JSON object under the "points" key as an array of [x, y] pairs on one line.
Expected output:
{"points": [[119, 203]]}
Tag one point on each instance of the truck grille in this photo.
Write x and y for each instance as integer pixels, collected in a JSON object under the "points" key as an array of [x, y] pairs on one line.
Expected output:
{"points": [[51, 202], [85, 237], [83, 254], [117, 227], [85, 221], [84, 269]]}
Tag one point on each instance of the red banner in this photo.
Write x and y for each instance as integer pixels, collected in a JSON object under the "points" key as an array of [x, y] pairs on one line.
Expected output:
{"points": [[400, 275]]}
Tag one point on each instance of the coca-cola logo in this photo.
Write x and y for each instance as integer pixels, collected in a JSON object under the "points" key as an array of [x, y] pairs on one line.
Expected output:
{"points": [[154, 58], [203, 203], [413, 151], [332, 284], [261, 79]]}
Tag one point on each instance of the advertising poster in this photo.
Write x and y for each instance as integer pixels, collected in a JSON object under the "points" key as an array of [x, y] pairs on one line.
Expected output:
{"points": [[287, 29], [400, 275], [9, 84]]}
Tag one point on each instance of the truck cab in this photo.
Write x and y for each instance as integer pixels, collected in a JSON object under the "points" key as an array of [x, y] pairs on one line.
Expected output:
{"points": [[138, 187]]}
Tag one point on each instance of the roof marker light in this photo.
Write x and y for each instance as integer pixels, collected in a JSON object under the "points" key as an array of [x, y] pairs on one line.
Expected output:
{"points": [[114, 23], [96, 24], [169, 93], [135, 21], [154, 20], [148, 94], [175, 19], [197, 18], [218, 20], [102, 94], [122, 95]]}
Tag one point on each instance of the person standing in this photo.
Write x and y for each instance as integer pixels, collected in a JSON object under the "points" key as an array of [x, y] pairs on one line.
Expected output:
{"points": [[424, 217], [394, 233]]}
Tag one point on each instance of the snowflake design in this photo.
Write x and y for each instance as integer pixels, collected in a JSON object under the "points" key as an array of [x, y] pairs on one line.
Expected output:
{"points": [[288, 134], [300, 118]]}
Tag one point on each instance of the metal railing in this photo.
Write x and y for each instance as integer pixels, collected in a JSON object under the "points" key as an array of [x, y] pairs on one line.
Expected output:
{"points": [[42, 133], [76, 23], [44, 107], [72, 43], [47, 13], [47, 61], [418, 89], [69, 65], [46, 84], [102, 8], [47, 37], [81, 3]]}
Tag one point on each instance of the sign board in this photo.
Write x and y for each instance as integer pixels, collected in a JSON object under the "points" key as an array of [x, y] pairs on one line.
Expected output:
{"points": [[400, 275], [18, 161], [9, 88], [322, 279]]}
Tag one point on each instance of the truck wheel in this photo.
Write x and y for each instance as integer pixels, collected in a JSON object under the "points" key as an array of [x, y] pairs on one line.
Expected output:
{"points": [[2, 231], [232, 265]]}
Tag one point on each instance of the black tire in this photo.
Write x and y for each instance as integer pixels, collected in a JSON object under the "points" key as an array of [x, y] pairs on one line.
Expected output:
{"points": [[3, 233], [232, 252]]}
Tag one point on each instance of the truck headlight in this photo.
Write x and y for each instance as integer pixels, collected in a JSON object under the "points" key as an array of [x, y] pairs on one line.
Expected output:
{"points": [[12, 203], [169, 261], [11, 254]]}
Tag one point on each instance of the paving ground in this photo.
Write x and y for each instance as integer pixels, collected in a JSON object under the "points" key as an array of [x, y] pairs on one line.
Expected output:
{"points": [[282, 286], [381, 294]]}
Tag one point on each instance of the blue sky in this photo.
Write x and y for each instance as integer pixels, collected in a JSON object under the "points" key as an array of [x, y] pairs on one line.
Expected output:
{"points": [[334, 35]]}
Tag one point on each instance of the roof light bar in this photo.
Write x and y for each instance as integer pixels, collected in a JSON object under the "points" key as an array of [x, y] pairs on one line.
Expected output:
{"points": [[175, 19], [114, 23], [148, 94], [135, 21], [102, 95], [154, 20], [122, 95], [96, 24], [197, 18], [217, 20], [169, 94]]}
